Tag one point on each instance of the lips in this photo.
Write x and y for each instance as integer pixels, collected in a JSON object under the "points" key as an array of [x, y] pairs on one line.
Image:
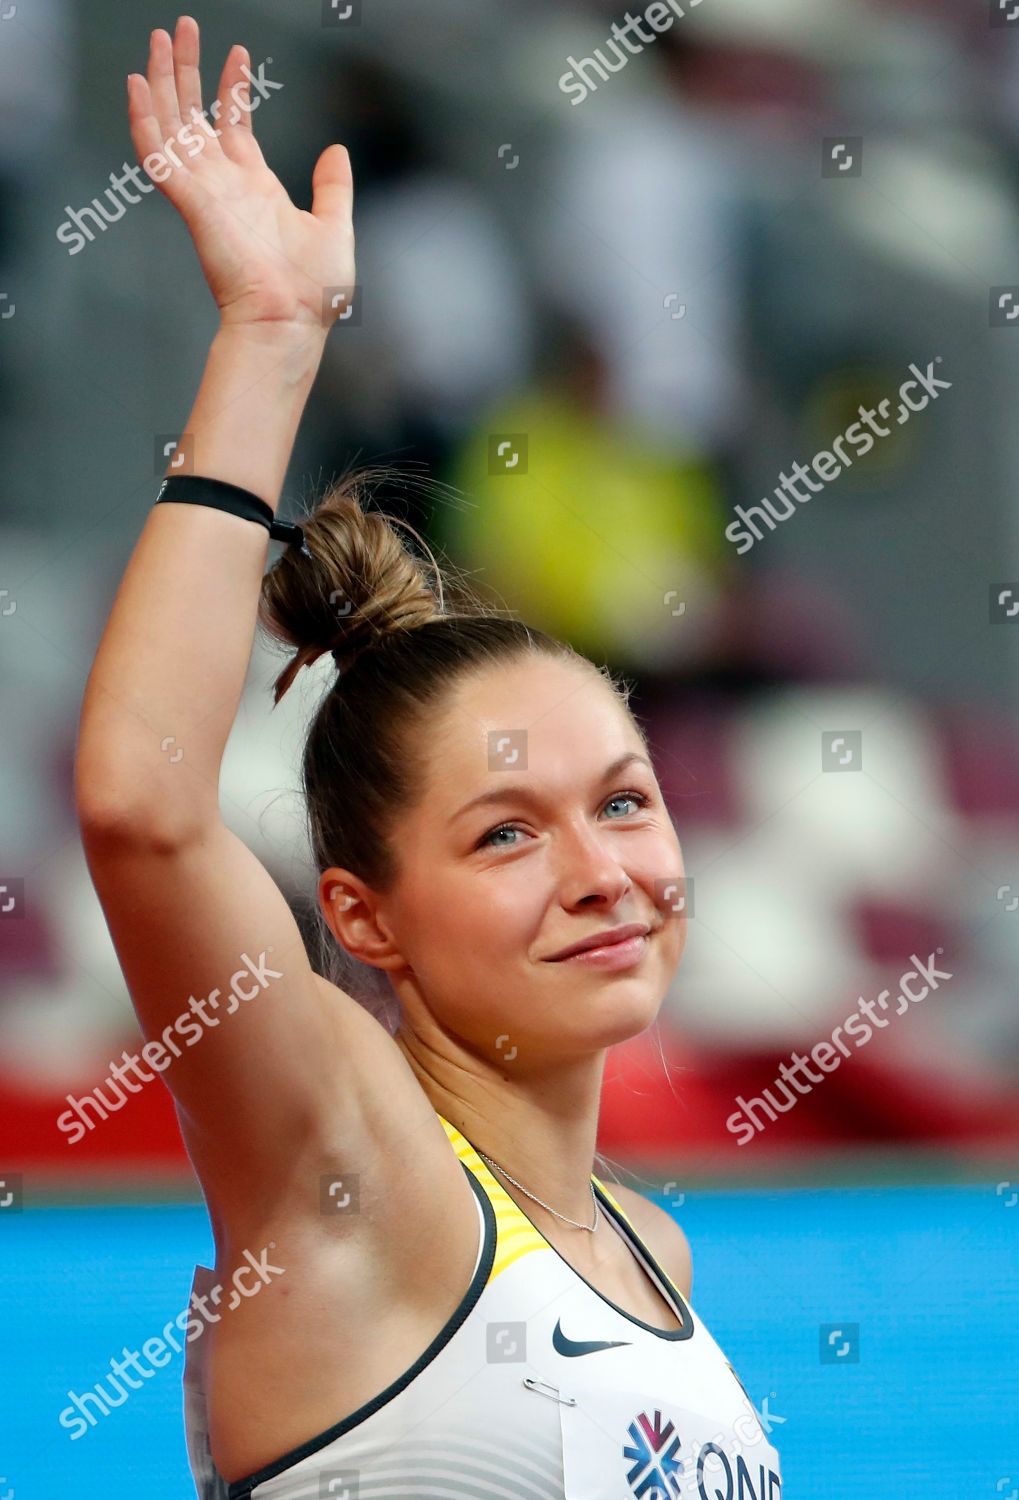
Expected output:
{"points": [[604, 939]]}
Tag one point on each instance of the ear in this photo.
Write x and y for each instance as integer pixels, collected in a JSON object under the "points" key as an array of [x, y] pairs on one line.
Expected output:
{"points": [[352, 910]]}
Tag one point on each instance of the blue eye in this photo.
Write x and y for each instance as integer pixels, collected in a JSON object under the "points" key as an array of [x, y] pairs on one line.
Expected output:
{"points": [[483, 843], [629, 797]]}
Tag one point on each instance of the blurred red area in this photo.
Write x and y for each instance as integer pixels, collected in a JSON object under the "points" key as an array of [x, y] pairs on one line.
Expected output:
{"points": [[143, 1135], [678, 1117], [664, 1104]]}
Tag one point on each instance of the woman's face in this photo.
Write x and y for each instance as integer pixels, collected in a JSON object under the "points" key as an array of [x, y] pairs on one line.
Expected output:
{"points": [[535, 831]]}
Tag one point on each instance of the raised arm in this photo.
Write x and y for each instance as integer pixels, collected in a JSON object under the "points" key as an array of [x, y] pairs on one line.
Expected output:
{"points": [[189, 907], [174, 654]]}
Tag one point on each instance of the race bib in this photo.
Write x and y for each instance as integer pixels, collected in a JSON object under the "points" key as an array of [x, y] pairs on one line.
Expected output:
{"points": [[618, 1445]]}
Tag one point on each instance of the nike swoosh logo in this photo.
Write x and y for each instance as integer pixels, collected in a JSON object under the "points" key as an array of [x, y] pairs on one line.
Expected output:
{"points": [[571, 1347]]}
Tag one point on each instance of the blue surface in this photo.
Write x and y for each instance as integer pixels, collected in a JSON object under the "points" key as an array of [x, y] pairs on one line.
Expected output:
{"points": [[929, 1275]]}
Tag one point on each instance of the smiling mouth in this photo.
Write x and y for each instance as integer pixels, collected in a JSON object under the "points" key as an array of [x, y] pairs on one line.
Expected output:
{"points": [[618, 954], [631, 934]]}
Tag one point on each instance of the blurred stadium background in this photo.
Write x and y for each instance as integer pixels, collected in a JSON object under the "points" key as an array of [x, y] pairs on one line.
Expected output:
{"points": [[662, 296]]}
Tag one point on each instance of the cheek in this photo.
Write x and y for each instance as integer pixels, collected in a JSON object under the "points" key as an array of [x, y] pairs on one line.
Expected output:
{"points": [[675, 935], [508, 907], [489, 913], [659, 867], [657, 862]]}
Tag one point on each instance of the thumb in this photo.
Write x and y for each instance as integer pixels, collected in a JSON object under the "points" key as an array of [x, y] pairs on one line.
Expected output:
{"points": [[332, 186]]}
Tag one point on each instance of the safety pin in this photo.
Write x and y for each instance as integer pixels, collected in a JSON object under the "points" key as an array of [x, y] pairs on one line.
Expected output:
{"points": [[533, 1384]]}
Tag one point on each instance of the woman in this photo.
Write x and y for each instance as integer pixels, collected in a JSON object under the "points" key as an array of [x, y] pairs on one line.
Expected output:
{"points": [[449, 1302]]}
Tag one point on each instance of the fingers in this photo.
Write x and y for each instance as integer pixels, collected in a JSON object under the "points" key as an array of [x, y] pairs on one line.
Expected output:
{"points": [[233, 106], [169, 100], [332, 187], [163, 109], [145, 132], [185, 67], [162, 85]]}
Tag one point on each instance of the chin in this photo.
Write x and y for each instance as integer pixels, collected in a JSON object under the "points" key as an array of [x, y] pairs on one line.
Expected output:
{"points": [[620, 1016]]}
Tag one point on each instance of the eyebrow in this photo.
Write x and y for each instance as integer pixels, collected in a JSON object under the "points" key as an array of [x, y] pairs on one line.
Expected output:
{"points": [[518, 792]]}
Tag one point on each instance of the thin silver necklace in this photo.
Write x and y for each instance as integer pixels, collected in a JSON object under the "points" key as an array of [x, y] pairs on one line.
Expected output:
{"points": [[534, 1197]]}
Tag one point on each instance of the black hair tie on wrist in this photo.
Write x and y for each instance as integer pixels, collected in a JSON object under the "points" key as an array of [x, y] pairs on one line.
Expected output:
{"points": [[196, 489]]}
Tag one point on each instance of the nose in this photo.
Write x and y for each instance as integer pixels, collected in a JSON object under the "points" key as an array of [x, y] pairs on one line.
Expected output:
{"points": [[590, 874]]}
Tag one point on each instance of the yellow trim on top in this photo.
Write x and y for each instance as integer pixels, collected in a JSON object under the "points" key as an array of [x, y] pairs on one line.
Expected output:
{"points": [[515, 1234], [616, 1204]]}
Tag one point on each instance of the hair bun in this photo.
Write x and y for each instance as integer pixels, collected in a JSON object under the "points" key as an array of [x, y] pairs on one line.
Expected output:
{"points": [[363, 583], [358, 635]]}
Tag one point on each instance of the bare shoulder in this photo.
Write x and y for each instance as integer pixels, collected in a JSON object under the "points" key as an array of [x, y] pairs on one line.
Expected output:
{"points": [[664, 1237]]}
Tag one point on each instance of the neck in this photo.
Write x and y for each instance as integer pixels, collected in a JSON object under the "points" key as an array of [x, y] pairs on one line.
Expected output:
{"points": [[541, 1127]]}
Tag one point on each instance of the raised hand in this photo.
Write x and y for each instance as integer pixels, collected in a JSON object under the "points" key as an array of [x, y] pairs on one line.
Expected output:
{"points": [[265, 260]]}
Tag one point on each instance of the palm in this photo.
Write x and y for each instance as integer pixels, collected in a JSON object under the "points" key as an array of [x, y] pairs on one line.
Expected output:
{"points": [[264, 259]]}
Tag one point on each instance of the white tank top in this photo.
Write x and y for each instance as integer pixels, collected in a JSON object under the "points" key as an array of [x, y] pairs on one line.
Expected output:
{"points": [[537, 1388]]}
